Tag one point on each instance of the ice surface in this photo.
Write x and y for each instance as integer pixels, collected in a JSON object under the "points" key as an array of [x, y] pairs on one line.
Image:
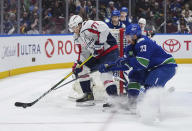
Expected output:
{"points": [[56, 113]]}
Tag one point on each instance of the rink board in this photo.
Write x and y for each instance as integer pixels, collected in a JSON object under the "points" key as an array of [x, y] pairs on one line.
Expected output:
{"points": [[28, 53]]}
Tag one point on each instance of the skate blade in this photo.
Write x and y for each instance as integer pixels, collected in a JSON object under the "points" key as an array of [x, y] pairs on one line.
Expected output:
{"points": [[72, 98], [87, 103]]}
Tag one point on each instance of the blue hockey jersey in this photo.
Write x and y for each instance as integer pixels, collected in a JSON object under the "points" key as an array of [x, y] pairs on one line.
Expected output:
{"points": [[127, 22], [147, 54], [111, 26]]}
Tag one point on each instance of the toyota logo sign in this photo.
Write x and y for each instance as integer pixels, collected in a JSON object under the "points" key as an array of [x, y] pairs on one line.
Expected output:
{"points": [[171, 45], [49, 48]]}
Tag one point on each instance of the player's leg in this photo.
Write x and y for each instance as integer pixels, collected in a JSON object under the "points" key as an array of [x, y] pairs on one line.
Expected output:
{"points": [[159, 77], [136, 79], [85, 84], [150, 106], [107, 78], [110, 87]]}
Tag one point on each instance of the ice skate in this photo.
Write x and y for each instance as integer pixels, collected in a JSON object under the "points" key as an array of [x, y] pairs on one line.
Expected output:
{"points": [[86, 100]]}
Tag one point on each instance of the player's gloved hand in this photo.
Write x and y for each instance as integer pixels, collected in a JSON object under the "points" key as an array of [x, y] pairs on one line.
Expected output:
{"points": [[95, 53], [105, 68], [76, 69], [150, 34], [120, 61]]}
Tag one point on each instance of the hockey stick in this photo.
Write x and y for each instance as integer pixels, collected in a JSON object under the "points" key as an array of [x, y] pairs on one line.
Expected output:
{"points": [[79, 77], [24, 105], [74, 79]]}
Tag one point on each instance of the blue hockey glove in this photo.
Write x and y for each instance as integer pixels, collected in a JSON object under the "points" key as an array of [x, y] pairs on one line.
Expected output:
{"points": [[120, 61], [76, 69], [122, 64], [105, 68]]}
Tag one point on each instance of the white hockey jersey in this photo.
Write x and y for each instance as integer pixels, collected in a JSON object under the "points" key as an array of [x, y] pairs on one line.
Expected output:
{"points": [[93, 37]]}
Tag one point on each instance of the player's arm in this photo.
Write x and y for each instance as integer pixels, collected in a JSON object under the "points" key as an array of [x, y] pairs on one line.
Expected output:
{"points": [[83, 54], [104, 32], [101, 31], [120, 64]]}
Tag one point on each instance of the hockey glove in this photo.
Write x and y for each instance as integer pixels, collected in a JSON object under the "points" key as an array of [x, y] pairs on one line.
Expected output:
{"points": [[76, 69], [120, 61], [122, 64], [105, 68]]}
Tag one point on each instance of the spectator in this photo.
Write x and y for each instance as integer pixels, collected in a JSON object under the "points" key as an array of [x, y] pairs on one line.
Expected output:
{"points": [[72, 6], [187, 17], [82, 9], [102, 13], [183, 29], [175, 6], [156, 14], [33, 6], [13, 22], [182, 26], [34, 25], [91, 13], [186, 9], [47, 21], [143, 8], [171, 28], [24, 23], [124, 18], [110, 9], [59, 10], [7, 24]]}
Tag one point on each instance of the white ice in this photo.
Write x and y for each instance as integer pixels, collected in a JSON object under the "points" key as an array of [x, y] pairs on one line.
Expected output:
{"points": [[55, 112]]}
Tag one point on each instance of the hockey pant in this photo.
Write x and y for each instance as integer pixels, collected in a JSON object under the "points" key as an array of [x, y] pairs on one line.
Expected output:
{"points": [[106, 78], [157, 77]]}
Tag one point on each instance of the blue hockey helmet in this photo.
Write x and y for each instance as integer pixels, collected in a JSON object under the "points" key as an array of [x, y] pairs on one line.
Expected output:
{"points": [[133, 29], [124, 9], [115, 13]]}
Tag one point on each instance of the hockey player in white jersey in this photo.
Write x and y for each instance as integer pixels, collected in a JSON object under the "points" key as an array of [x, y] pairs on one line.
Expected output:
{"points": [[142, 24], [94, 39], [144, 30]]}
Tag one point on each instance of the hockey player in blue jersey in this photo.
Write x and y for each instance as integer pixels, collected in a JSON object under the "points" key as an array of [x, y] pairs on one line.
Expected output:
{"points": [[152, 66], [114, 22], [124, 16]]}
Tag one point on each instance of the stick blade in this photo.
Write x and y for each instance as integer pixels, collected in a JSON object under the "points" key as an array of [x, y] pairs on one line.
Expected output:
{"points": [[24, 105]]}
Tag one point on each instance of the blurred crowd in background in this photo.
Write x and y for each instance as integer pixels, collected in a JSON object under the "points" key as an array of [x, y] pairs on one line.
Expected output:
{"points": [[53, 16]]}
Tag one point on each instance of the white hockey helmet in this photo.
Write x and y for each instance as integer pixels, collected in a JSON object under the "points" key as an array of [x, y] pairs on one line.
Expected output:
{"points": [[142, 21], [74, 21]]}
